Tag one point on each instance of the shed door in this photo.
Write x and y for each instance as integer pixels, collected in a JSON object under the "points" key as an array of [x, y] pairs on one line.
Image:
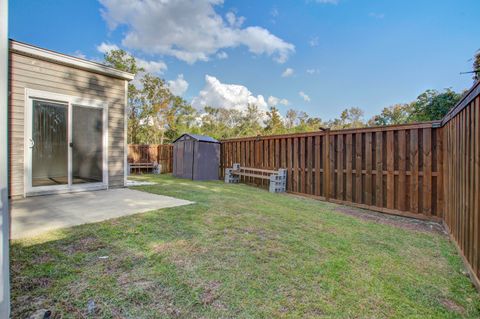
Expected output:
{"points": [[179, 159], [188, 159]]}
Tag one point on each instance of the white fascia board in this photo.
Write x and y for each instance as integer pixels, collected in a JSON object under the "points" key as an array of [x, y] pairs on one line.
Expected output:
{"points": [[60, 58]]}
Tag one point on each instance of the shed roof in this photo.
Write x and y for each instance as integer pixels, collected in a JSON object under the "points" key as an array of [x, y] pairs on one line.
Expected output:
{"points": [[200, 138]]}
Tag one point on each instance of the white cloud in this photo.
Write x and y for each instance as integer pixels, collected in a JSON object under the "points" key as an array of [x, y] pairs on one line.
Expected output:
{"points": [[313, 42], [233, 20], [288, 72], [157, 67], [230, 96], [313, 71], [222, 55], [274, 101], [190, 30], [178, 86], [106, 47], [79, 54], [304, 96]]}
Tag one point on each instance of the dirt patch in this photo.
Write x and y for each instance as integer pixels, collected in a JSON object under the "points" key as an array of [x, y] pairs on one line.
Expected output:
{"points": [[84, 244], [397, 221], [42, 259], [452, 306], [30, 284], [210, 293], [179, 245], [126, 280]]}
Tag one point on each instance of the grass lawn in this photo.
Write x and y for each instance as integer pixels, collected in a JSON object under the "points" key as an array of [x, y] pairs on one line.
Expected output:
{"points": [[241, 252]]}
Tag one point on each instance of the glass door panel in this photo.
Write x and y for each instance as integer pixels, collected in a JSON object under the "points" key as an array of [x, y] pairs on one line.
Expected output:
{"points": [[87, 144], [49, 144]]}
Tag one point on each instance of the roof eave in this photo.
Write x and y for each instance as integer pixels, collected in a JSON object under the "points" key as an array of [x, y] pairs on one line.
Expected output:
{"points": [[30, 50]]}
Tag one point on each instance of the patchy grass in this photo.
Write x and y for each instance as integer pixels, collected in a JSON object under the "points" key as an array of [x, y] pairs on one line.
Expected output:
{"points": [[241, 252]]}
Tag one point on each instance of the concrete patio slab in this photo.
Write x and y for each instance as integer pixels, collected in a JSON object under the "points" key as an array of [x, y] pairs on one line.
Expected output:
{"points": [[35, 215]]}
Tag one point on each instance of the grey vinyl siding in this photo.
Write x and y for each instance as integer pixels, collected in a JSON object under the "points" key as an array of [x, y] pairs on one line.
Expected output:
{"points": [[35, 73]]}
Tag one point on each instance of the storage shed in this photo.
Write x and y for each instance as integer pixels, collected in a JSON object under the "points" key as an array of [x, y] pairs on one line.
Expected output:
{"points": [[196, 157]]}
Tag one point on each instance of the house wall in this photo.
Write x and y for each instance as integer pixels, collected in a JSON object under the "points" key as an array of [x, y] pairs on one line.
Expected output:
{"points": [[35, 73], [4, 205]]}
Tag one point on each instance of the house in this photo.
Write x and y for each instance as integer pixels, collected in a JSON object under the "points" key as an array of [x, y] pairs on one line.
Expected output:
{"points": [[67, 123]]}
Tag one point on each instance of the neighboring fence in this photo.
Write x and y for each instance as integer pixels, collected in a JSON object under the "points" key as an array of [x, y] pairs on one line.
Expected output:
{"points": [[393, 169], [462, 178], [160, 153]]}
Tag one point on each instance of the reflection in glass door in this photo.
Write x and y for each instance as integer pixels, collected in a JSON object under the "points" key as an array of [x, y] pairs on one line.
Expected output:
{"points": [[49, 143], [87, 144]]}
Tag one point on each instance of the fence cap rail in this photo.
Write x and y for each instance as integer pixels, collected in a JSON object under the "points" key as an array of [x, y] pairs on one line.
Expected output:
{"points": [[408, 126], [463, 103]]}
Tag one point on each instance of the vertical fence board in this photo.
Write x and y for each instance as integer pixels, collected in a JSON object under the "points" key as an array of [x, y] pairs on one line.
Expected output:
{"points": [[358, 168], [303, 184], [414, 170], [402, 170], [331, 165], [309, 165], [427, 172], [379, 169], [318, 154], [368, 169], [390, 167], [340, 168], [295, 165], [348, 163], [289, 165]]}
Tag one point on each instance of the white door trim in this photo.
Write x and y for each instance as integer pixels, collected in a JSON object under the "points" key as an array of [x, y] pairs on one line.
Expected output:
{"points": [[70, 102]]}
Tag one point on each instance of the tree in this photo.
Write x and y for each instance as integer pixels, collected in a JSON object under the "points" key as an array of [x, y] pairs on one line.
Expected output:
{"points": [[221, 122], [392, 115], [181, 118], [291, 119], [156, 101], [349, 118], [123, 61], [432, 105], [476, 66], [273, 122], [250, 121]]}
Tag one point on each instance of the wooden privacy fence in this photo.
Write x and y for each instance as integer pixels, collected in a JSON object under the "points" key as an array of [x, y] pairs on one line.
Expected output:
{"points": [[425, 170], [462, 178], [392, 169], [160, 153]]}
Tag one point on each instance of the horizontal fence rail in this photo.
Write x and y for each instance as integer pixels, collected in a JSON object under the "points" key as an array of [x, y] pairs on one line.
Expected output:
{"points": [[158, 153], [394, 169], [462, 178]]}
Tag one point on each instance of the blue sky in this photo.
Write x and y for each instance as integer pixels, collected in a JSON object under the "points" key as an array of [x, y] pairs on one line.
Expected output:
{"points": [[368, 54]]}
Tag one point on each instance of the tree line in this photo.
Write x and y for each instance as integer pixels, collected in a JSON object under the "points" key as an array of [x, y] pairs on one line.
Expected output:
{"points": [[156, 116]]}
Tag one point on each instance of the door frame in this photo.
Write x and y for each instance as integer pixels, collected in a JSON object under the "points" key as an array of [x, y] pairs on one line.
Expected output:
{"points": [[70, 102]]}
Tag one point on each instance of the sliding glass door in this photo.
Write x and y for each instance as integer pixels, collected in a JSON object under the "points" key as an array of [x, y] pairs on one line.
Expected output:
{"points": [[49, 143], [87, 145], [65, 143]]}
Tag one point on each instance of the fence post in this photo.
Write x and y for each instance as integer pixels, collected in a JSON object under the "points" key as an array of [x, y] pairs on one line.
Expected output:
{"points": [[327, 164]]}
